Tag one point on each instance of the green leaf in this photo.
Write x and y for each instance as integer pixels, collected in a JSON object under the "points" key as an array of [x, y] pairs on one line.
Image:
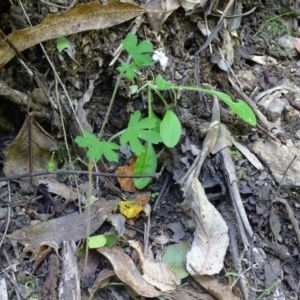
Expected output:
{"points": [[128, 69], [138, 51], [162, 84], [170, 129], [145, 164], [97, 148], [174, 257], [158, 120], [241, 108], [96, 241], [62, 43], [111, 240], [133, 89], [139, 129]]}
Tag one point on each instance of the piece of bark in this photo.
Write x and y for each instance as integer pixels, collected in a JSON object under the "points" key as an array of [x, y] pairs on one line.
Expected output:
{"points": [[69, 286]]}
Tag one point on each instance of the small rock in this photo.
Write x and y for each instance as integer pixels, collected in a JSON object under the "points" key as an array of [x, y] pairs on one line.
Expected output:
{"points": [[287, 43], [278, 157]]}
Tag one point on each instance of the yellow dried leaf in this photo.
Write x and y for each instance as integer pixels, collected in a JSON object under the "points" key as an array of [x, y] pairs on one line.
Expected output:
{"points": [[130, 209]]}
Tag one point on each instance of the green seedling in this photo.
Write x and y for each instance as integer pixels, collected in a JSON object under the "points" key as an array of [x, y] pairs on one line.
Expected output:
{"points": [[62, 43], [149, 130], [51, 164]]}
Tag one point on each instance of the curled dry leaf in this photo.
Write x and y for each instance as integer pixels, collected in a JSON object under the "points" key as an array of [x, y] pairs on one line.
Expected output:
{"points": [[211, 239], [81, 18], [158, 274], [127, 272]]}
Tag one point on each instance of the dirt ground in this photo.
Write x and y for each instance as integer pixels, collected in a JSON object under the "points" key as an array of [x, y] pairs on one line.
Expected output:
{"points": [[262, 260]]}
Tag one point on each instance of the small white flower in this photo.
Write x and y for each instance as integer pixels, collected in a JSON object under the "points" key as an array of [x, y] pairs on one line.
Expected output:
{"points": [[161, 57]]}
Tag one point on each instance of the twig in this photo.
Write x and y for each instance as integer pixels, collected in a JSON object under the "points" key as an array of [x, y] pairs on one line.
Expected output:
{"points": [[8, 214], [79, 172], [284, 175], [236, 262], [163, 192], [15, 285]]}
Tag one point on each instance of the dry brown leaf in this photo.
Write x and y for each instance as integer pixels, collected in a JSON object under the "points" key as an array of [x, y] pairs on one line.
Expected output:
{"points": [[17, 154], [158, 274], [127, 184], [127, 272], [72, 226], [161, 11], [81, 18], [211, 239], [215, 288], [58, 188], [102, 280]]}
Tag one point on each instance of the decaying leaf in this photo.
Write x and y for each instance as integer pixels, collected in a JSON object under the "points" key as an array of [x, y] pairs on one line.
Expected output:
{"points": [[58, 188], [161, 9], [127, 184], [127, 272], [190, 4], [81, 18], [211, 239], [72, 226], [158, 274], [215, 288], [17, 153], [102, 280], [131, 208]]}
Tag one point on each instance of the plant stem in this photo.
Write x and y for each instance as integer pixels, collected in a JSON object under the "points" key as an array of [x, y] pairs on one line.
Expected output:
{"points": [[162, 99], [90, 169], [112, 101], [116, 135], [110, 105]]}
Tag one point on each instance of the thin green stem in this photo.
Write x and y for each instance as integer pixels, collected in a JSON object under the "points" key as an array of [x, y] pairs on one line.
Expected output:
{"points": [[149, 101], [162, 99], [110, 105], [115, 135]]}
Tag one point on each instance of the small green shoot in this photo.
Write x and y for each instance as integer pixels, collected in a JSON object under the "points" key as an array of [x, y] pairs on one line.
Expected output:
{"points": [[97, 148], [62, 43], [146, 164], [139, 129], [51, 164]]}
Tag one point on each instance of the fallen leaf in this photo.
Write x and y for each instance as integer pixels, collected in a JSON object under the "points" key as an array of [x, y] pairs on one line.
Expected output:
{"points": [[161, 10], [72, 226], [83, 17], [174, 256], [158, 274], [211, 239], [131, 208], [102, 280], [127, 184], [17, 153], [58, 188], [127, 272], [215, 288]]}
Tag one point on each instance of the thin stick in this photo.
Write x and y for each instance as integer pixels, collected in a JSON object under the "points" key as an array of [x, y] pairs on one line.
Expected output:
{"points": [[79, 172]]}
